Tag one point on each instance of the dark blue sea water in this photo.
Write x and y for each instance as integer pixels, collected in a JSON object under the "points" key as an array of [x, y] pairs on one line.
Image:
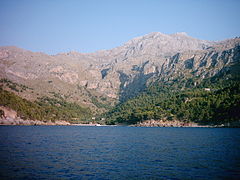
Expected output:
{"points": [[73, 152]]}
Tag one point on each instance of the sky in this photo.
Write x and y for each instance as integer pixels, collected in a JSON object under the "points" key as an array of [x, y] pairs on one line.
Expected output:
{"points": [[54, 26]]}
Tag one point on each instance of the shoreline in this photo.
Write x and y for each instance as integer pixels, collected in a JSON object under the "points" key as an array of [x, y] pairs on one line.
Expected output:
{"points": [[20, 122], [175, 123], [149, 123], [8, 121]]}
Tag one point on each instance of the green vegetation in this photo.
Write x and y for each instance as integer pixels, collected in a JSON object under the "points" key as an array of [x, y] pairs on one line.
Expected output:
{"points": [[99, 104], [14, 86], [213, 101], [45, 108], [186, 98]]}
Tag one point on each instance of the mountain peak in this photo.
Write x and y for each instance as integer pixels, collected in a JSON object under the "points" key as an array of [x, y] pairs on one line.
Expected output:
{"points": [[181, 34], [162, 44], [155, 34], [160, 34]]}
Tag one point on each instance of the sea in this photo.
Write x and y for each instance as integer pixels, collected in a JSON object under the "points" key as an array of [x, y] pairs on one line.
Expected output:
{"points": [[118, 152]]}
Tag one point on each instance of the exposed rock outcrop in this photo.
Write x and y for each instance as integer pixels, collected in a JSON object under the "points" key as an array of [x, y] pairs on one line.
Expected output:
{"points": [[19, 121], [10, 117], [165, 123], [175, 123], [119, 73], [7, 112]]}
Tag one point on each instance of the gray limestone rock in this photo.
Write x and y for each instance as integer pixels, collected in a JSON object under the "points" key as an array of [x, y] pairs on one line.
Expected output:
{"points": [[121, 72]]}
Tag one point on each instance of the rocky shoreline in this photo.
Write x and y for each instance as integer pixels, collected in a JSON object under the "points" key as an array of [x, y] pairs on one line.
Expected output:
{"points": [[175, 123], [19, 121], [163, 123], [10, 118]]}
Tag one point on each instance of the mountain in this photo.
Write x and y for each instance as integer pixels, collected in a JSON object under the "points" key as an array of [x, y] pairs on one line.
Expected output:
{"points": [[102, 79]]}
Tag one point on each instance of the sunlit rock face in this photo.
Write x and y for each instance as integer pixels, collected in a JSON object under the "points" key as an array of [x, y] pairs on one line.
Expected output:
{"points": [[121, 72]]}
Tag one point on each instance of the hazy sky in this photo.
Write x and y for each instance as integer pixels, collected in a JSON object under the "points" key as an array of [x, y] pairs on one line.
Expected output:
{"points": [[53, 26]]}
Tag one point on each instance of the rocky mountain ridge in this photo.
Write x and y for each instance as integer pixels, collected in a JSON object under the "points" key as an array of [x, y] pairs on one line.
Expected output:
{"points": [[104, 77]]}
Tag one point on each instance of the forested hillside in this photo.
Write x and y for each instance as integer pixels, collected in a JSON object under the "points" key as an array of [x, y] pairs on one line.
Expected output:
{"points": [[45, 108], [214, 101], [156, 76]]}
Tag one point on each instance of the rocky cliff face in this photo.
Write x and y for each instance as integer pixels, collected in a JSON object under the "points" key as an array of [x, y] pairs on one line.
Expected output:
{"points": [[119, 73]]}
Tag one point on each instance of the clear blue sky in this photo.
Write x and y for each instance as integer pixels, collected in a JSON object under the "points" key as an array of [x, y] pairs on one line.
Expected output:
{"points": [[54, 26]]}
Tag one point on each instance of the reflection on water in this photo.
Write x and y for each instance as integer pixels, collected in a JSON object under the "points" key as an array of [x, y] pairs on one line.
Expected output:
{"points": [[73, 152]]}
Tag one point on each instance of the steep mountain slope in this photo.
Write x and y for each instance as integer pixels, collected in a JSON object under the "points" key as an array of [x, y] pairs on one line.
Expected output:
{"points": [[103, 71], [101, 79], [46, 75], [199, 86], [213, 101]]}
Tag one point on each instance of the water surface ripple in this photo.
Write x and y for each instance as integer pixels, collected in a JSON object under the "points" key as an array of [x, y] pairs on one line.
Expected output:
{"points": [[73, 152]]}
